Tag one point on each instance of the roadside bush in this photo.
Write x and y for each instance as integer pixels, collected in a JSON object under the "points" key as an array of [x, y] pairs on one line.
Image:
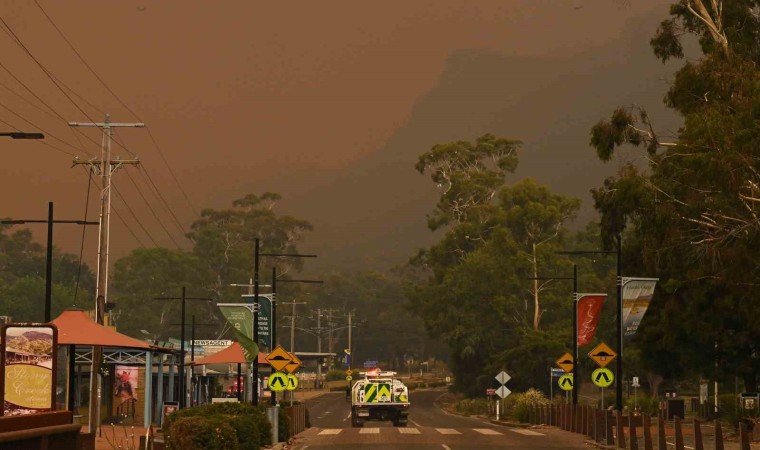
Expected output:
{"points": [[250, 424], [202, 433], [519, 407], [283, 422], [645, 403], [475, 406]]}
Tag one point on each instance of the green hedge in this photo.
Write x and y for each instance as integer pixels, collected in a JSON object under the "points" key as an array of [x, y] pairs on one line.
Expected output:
{"points": [[202, 433], [250, 426]]}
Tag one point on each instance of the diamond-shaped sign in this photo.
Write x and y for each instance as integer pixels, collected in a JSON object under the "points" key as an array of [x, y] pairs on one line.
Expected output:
{"points": [[565, 362], [503, 377], [602, 354], [294, 363], [503, 391], [278, 359]]}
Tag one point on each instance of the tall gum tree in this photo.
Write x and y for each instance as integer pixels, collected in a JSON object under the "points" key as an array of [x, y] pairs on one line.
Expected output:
{"points": [[693, 211]]}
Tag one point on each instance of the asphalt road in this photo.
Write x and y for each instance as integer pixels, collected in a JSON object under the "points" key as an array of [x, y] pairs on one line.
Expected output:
{"points": [[429, 428]]}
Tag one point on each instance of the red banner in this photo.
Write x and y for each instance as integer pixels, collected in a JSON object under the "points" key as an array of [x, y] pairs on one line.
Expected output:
{"points": [[589, 307]]}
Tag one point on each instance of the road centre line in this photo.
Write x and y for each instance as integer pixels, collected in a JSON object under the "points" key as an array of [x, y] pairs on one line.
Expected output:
{"points": [[415, 423], [446, 447]]}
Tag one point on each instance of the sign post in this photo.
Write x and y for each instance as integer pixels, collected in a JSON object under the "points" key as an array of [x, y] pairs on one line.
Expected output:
{"points": [[502, 377]]}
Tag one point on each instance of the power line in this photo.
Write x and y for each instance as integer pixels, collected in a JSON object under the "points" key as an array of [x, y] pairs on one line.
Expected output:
{"points": [[81, 247], [156, 197], [152, 210], [47, 133], [122, 103], [118, 194], [124, 222], [166, 204]]}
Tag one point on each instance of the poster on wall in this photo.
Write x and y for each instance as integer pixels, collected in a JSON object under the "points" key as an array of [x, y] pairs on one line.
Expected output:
{"points": [[125, 384], [28, 362]]}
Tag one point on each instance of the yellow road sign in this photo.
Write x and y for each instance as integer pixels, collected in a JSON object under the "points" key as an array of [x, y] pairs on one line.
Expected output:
{"points": [[292, 382], [566, 382], [349, 378], [602, 377], [349, 372], [602, 354], [278, 381], [278, 358], [565, 362], [294, 364]]}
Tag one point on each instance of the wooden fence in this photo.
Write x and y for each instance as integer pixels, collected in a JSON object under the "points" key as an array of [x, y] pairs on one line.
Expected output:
{"points": [[635, 431]]}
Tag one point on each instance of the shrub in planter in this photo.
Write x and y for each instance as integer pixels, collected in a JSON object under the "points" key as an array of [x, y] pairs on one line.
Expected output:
{"points": [[283, 422], [202, 433]]}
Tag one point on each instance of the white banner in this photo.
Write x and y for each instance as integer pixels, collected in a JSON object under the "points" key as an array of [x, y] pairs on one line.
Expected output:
{"points": [[637, 294]]}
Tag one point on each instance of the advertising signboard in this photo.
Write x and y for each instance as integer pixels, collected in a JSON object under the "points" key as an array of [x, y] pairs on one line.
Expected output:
{"points": [[28, 364]]}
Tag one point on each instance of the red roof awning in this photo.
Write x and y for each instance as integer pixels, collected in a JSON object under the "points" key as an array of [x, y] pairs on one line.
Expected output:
{"points": [[230, 355], [75, 328]]}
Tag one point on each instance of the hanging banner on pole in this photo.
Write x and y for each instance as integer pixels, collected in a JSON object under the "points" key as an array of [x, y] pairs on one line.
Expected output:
{"points": [[589, 309], [637, 294], [265, 318], [240, 316]]}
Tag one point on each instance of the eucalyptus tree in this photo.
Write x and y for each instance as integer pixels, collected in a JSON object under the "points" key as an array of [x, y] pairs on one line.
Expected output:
{"points": [[475, 296], [692, 213]]}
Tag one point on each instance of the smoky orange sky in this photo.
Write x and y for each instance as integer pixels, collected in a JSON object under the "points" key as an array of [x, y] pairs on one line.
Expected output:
{"points": [[247, 97]]}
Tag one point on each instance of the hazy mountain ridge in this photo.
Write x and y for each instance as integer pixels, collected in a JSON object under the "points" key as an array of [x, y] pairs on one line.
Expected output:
{"points": [[550, 103]]}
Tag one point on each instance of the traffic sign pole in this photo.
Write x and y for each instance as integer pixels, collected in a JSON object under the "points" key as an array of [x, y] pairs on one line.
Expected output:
{"points": [[575, 334]]}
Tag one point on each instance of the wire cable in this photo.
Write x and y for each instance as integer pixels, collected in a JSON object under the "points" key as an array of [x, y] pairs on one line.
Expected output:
{"points": [[166, 204], [123, 200], [160, 222], [84, 228], [122, 103], [39, 141], [124, 222]]}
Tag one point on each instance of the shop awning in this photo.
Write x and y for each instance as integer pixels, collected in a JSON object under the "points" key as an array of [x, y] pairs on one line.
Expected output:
{"points": [[76, 328]]}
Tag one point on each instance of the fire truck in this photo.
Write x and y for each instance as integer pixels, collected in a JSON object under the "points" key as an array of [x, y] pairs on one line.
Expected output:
{"points": [[379, 396]]}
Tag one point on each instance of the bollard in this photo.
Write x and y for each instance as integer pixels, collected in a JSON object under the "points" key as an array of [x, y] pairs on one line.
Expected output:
{"points": [[632, 431], [661, 442], [744, 436], [679, 433], [698, 445], [273, 416], [646, 423], [620, 430], [718, 436]]}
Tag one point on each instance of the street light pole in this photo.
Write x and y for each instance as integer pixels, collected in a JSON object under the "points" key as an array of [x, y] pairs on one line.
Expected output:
{"points": [[256, 256], [181, 371], [619, 369], [49, 258]]}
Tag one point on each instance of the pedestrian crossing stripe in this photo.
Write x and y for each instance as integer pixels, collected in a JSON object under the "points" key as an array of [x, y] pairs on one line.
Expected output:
{"points": [[444, 431], [486, 431]]}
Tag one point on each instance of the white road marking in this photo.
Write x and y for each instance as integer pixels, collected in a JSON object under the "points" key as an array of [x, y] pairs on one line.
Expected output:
{"points": [[527, 432], [369, 431], [446, 447], [487, 431], [447, 431], [331, 431], [347, 417], [415, 423], [409, 431]]}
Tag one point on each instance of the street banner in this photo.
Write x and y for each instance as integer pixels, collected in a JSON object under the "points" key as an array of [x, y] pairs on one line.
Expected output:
{"points": [[28, 366], [637, 294], [589, 309], [265, 318], [240, 316]]}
